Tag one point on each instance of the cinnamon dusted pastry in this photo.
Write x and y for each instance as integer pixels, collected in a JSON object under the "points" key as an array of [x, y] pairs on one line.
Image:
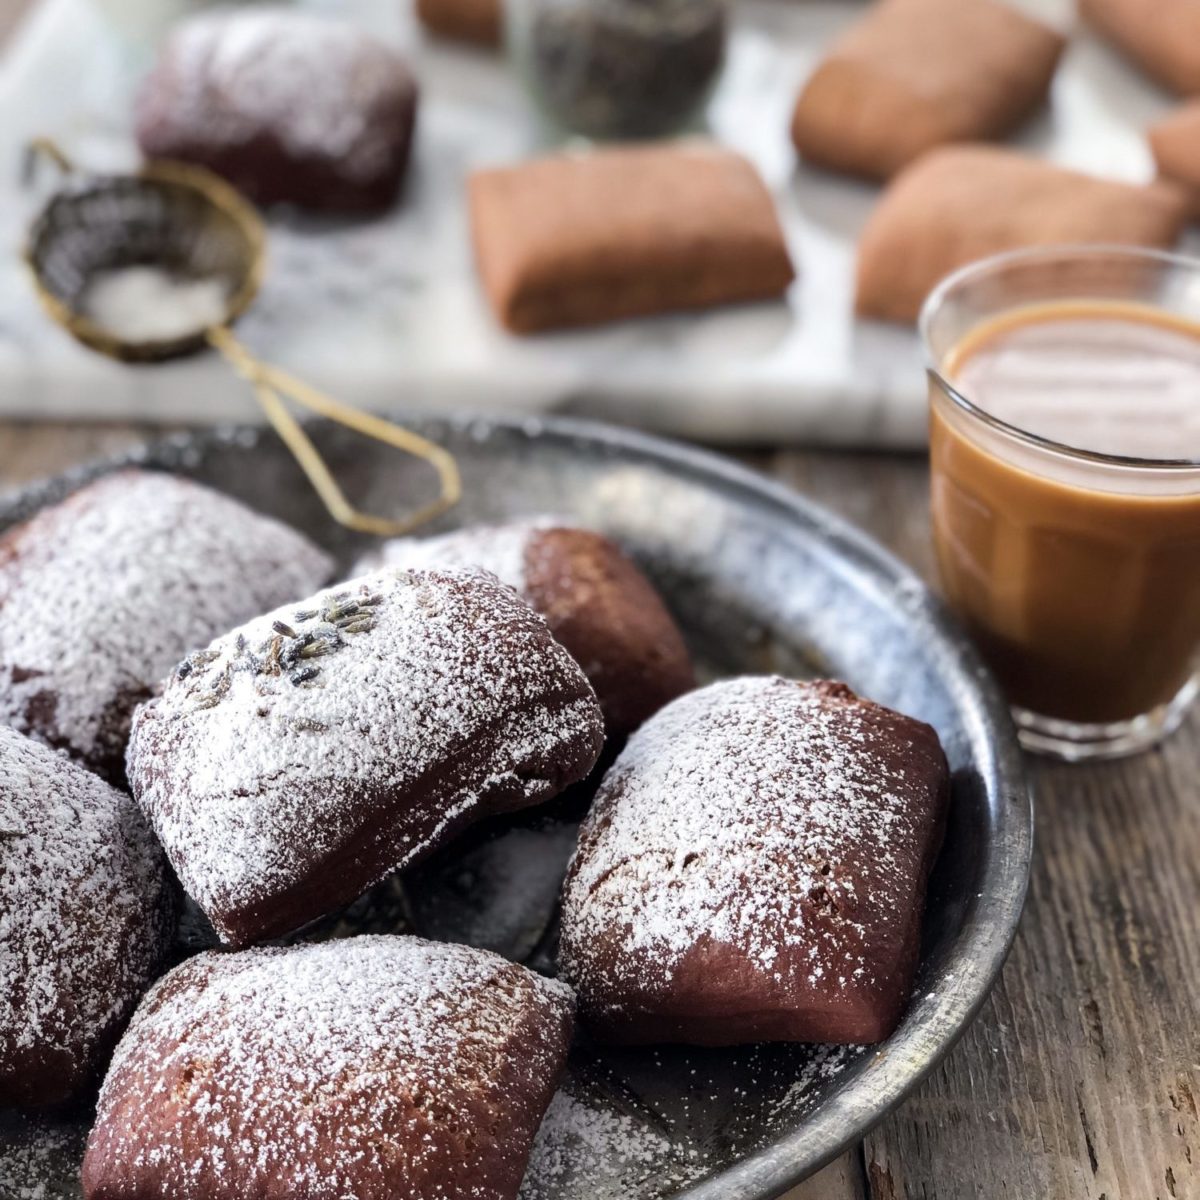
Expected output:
{"points": [[101, 595], [913, 74], [598, 605], [85, 921], [754, 869], [1175, 143], [1163, 38], [303, 757], [962, 203], [371, 1067], [477, 21], [577, 239]]}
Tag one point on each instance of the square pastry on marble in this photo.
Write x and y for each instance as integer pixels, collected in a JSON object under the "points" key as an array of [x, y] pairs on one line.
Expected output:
{"points": [[961, 203], [1163, 38], [754, 869], [913, 74], [580, 238]]}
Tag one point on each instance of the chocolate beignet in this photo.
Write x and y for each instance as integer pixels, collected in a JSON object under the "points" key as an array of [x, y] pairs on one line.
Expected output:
{"points": [[102, 594], [371, 1067], [85, 920], [596, 601], [303, 757], [754, 869], [288, 106]]}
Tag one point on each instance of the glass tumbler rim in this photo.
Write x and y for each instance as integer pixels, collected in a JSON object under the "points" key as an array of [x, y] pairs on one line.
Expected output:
{"points": [[982, 267]]}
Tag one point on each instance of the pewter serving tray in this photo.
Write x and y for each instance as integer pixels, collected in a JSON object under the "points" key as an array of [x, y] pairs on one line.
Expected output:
{"points": [[760, 580]]}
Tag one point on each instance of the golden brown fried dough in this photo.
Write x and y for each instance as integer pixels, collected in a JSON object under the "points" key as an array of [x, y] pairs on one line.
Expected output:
{"points": [[961, 203], [1175, 142], [577, 239], [913, 74], [1163, 38], [477, 21]]}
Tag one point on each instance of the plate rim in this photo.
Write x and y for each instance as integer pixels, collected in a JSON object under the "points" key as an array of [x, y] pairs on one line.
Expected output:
{"points": [[924, 1039]]}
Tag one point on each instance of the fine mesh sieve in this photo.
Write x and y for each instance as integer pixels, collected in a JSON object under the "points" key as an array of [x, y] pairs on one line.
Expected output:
{"points": [[192, 225]]}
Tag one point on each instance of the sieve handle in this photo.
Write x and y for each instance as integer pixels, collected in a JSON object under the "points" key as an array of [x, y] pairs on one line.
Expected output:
{"points": [[43, 147], [269, 383]]}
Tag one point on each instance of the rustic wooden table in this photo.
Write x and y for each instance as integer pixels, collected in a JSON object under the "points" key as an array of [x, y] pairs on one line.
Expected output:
{"points": [[1081, 1078]]}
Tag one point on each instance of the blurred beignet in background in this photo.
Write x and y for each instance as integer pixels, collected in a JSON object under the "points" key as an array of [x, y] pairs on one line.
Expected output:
{"points": [[103, 593], [961, 203], [754, 869], [598, 605], [624, 231], [289, 106], [1163, 38], [304, 756], [1175, 144], [477, 21], [913, 74], [86, 917]]}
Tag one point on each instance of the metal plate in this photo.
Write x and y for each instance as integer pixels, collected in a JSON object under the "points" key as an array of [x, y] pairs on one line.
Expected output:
{"points": [[760, 580]]}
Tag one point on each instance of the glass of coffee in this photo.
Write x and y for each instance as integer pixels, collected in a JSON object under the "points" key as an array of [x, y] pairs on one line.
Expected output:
{"points": [[1065, 463]]}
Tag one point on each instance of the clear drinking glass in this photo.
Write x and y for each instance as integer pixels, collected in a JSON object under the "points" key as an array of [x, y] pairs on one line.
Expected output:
{"points": [[1077, 570]]}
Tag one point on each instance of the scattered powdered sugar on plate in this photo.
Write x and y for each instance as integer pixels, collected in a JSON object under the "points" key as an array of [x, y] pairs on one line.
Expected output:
{"points": [[500, 894], [581, 1140], [316, 84], [748, 814], [84, 912], [39, 1156], [824, 1065], [368, 1067], [500, 549], [393, 706], [101, 595]]}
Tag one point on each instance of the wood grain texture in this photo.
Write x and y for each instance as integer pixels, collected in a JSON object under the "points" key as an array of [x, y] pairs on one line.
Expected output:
{"points": [[1081, 1078]]}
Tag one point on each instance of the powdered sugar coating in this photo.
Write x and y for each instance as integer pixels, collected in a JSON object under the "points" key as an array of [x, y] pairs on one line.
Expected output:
{"points": [[102, 594], [306, 755], [598, 603], [323, 89], [84, 919], [500, 549], [759, 846], [372, 1067]]}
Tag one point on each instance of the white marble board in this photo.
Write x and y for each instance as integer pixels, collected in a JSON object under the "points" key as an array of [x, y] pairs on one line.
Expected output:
{"points": [[388, 313]]}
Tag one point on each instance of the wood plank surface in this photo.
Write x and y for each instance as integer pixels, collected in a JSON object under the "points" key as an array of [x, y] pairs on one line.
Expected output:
{"points": [[1081, 1078]]}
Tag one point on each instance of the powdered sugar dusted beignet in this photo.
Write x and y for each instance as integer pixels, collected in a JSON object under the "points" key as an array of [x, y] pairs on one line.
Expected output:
{"points": [[301, 758], [101, 595], [596, 601], [289, 106], [370, 1067], [754, 869], [85, 920]]}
